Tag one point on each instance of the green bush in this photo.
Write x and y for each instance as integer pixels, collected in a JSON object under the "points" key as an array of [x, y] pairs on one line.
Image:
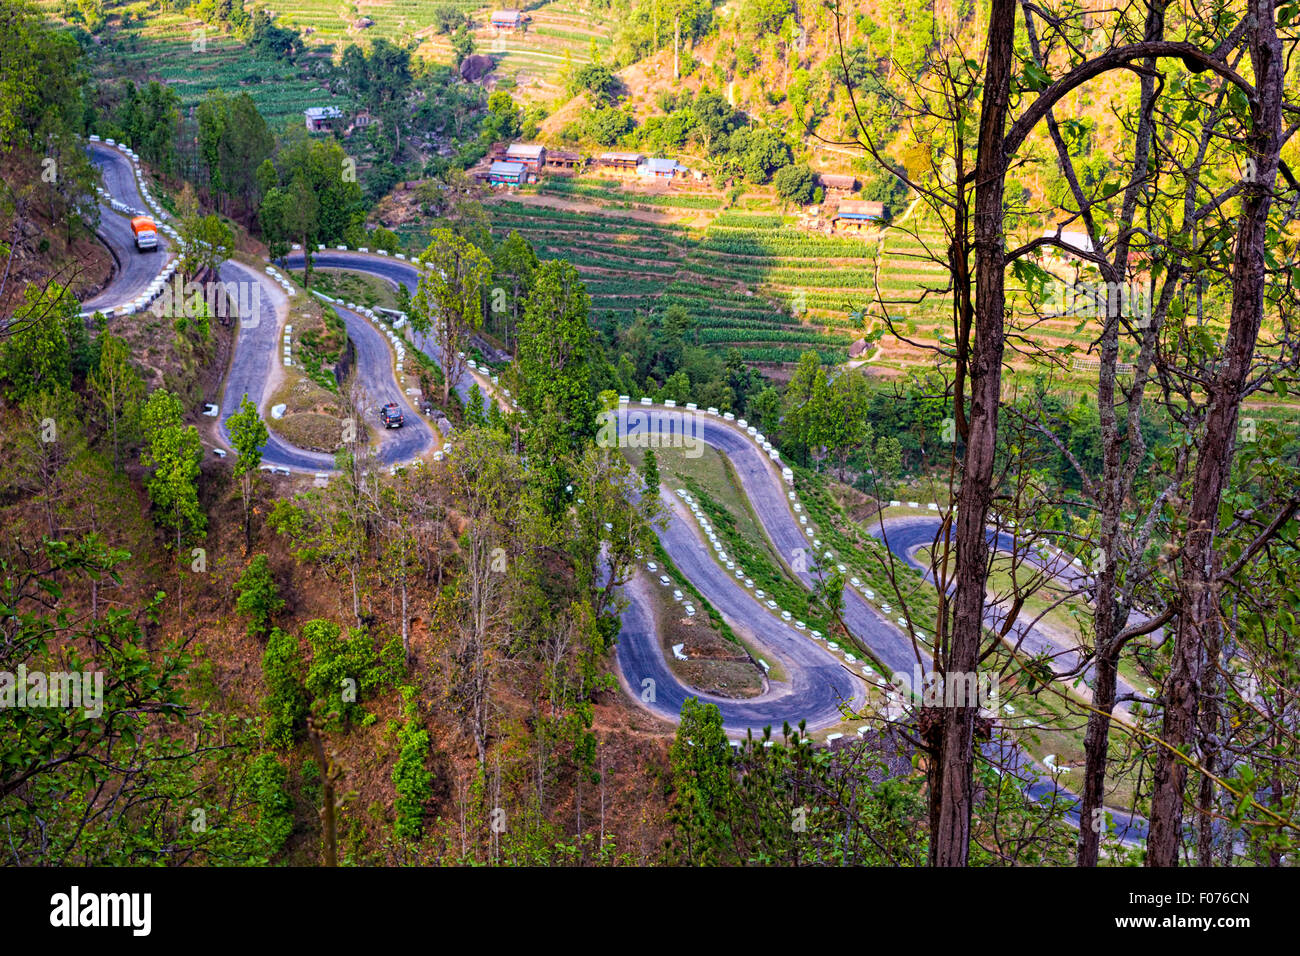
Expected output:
{"points": [[412, 779], [259, 596], [266, 786], [285, 703], [347, 669]]}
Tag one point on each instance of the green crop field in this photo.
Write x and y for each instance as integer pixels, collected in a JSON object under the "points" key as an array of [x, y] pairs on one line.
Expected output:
{"points": [[162, 46], [752, 282]]}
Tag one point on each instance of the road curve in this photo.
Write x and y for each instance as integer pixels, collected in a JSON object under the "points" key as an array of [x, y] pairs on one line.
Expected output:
{"points": [[134, 270], [257, 345], [820, 685], [768, 498], [397, 271]]}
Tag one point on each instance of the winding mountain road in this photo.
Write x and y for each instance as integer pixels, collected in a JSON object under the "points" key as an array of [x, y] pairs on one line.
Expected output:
{"points": [[133, 270], [820, 689]]}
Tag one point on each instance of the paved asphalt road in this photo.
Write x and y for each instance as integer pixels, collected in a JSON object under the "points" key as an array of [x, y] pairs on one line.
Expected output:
{"points": [[259, 345], [258, 342], [818, 683], [394, 270], [767, 494], [134, 270], [904, 535]]}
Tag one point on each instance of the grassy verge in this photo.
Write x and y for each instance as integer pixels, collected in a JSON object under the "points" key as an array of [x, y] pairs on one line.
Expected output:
{"points": [[370, 291]]}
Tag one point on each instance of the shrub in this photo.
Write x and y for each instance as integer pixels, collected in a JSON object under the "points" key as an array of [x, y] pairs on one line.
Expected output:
{"points": [[411, 777], [285, 703], [266, 786], [259, 596]]}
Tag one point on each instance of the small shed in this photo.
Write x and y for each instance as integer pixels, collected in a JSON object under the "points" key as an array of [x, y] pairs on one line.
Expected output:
{"points": [[503, 173], [507, 19], [563, 159], [534, 157]]}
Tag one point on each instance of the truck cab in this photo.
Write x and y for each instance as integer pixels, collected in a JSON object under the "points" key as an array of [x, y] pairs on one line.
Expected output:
{"points": [[146, 233]]}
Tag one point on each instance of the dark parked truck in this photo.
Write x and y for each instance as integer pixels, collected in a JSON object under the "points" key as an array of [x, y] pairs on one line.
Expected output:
{"points": [[391, 415]]}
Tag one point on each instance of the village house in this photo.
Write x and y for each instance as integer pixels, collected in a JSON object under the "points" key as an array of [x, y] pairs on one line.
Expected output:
{"points": [[531, 156], [507, 19], [321, 119], [835, 182], [858, 214], [562, 159], [620, 162], [502, 173], [659, 168]]}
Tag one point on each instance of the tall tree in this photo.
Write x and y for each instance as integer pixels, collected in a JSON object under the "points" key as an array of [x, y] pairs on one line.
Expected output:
{"points": [[120, 390], [248, 433], [448, 300]]}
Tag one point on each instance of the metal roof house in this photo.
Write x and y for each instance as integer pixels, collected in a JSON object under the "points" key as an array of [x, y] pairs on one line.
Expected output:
{"points": [[628, 161], [502, 173], [507, 19], [858, 211], [659, 168], [319, 118], [534, 157]]}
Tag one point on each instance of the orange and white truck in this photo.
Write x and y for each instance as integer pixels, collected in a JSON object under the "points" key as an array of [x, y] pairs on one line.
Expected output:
{"points": [[146, 233]]}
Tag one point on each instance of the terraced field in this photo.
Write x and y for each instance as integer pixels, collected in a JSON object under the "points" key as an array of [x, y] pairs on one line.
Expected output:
{"points": [[558, 37], [752, 281], [163, 49]]}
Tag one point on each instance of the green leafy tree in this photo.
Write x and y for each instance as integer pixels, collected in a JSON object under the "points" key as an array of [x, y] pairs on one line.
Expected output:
{"points": [[248, 433], [258, 596], [598, 82], [38, 354], [448, 300], [555, 371], [119, 389], [513, 264], [285, 703], [173, 454], [700, 762], [794, 183], [462, 45], [650, 472], [301, 213]]}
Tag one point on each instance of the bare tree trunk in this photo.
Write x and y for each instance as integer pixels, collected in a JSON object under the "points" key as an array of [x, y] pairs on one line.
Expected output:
{"points": [[952, 806], [1198, 599]]}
